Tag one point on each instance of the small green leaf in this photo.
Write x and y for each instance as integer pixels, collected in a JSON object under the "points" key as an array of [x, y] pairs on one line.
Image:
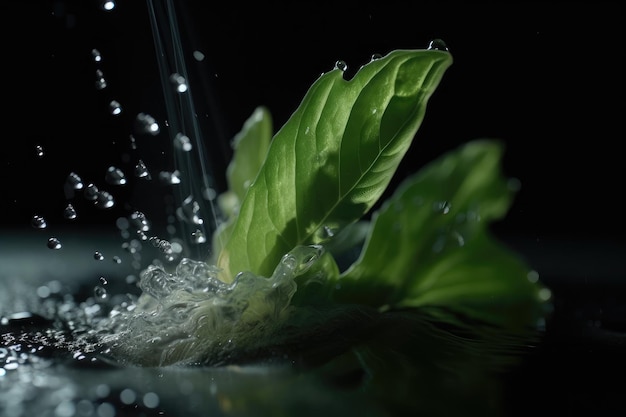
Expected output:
{"points": [[430, 244], [332, 160], [250, 147]]}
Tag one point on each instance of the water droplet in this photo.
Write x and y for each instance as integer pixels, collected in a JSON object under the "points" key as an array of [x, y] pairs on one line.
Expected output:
{"points": [[198, 56], [115, 107], [69, 212], [341, 65], [179, 82], [115, 176], [117, 259], [376, 57], [100, 293], [103, 281], [39, 151], [141, 170], [98, 256], [104, 200], [189, 211], [182, 142], [139, 221], [95, 54], [91, 192], [198, 236], [74, 181], [442, 207], [437, 45], [147, 124], [101, 82], [54, 243], [107, 5], [38, 222], [170, 178]]}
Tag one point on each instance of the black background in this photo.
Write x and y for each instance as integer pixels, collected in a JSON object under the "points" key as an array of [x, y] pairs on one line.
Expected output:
{"points": [[546, 78]]}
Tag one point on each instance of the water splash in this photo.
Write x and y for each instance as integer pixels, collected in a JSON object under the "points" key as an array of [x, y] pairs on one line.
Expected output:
{"points": [[190, 316]]}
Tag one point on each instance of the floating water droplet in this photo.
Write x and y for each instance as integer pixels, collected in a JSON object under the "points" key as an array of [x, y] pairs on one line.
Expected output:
{"points": [[170, 178], [39, 151], [107, 5], [100, 293], [139, 221], [104, 200], [141, 170], [198, 56], [182, 142], [189, 211], [438, 45], [101, 82], [54, 243], [341, 65], [115, 176], [161, 244], [91, 192], [98, 256], [147, 124], [198, 236], [74, 181], [115, 107], [117, 259], [103, 281], [95, 54], [69, 212], [38, 222], [179, 82]]}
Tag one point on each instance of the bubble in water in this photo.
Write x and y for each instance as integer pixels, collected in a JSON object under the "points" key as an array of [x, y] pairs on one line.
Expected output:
{"points": [[115, 176], [69, 212], [95, 54], [54, 243], [38, 222], [147, 124], [179, 82], [341, 65], [39, 151], [182, 142], [141, 170], [98, 256], [103, 281], [115, 107], [104, 200], [437, 45]]}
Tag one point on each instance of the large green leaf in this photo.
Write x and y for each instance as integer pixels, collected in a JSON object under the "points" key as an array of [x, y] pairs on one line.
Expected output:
{"points": [[333, 159], [430, 245]]}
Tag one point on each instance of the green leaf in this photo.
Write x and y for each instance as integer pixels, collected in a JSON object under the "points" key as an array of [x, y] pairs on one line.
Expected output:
{"points": [[430, 244], [250, 146], [332, 160]]}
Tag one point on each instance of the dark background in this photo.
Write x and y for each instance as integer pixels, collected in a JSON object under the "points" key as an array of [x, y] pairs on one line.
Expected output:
{"points": [[546, 78]]}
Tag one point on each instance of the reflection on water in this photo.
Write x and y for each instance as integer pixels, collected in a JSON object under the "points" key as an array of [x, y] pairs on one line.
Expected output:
{"points": [[365, 363]]}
